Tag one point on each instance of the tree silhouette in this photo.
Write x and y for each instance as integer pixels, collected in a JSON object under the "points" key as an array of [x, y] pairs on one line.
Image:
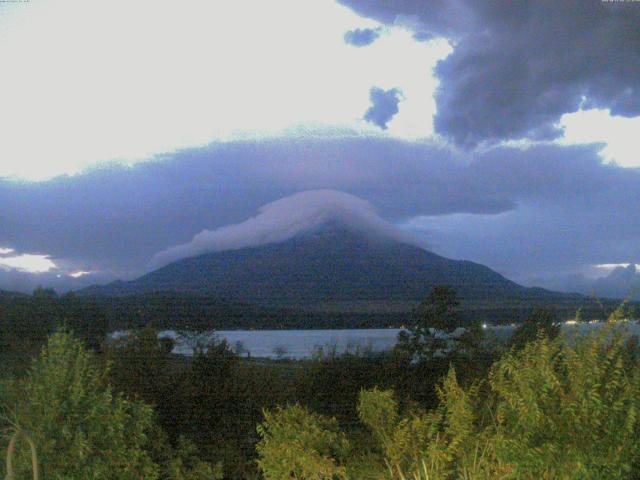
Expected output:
{"points": [[435, 331]]}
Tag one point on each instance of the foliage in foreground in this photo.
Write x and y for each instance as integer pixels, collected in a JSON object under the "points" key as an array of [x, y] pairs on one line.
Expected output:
{"points": [[215, 399], [550, 410], [82, 429]]}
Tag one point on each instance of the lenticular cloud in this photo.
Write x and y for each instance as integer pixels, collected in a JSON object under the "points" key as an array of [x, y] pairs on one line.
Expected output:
{"points": [[283, 219]]}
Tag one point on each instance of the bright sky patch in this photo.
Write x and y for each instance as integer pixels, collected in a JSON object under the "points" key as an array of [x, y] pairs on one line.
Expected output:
{"points": [[620, 134], [28, 263], [613, 266], [79, 274], [87, 81]]}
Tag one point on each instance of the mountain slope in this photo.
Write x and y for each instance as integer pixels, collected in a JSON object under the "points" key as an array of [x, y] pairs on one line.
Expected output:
{"points": [[333, 268]]}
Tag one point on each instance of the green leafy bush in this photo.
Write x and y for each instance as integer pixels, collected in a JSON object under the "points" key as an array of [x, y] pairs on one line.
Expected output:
{"points": [[185, 464], [298, 444], [548, 410], [570, 412], [81, 429]]}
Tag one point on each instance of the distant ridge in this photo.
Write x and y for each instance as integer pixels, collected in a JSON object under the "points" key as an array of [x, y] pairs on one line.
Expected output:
{"points": [[4, 294], [333, 268]]}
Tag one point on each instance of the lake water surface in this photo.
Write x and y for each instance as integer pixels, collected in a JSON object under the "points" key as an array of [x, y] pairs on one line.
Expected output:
{"points": [[299, 344], [296, 343]]}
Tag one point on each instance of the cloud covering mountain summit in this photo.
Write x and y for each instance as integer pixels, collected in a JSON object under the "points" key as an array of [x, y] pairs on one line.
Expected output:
{"points": [[283, 219]]}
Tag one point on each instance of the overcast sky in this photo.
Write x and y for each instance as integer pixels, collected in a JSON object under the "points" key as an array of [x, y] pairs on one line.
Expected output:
{"points": [[507, 133]]}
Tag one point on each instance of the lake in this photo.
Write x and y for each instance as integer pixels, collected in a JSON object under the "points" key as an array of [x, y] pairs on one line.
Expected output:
{"points": [[297, 344]]}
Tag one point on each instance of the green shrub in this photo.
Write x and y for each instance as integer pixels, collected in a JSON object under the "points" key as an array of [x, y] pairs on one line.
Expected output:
{"points": [[185, 464], [570, 412], [549, 410], [298, 444], [81, 429]]}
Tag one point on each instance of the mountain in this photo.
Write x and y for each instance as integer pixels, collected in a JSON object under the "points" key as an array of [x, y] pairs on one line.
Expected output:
{"points": [[334, 269], [621, 282]]}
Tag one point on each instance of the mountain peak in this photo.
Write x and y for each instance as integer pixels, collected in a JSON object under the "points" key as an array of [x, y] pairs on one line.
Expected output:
{"points": [[340, 229], [304, 212]]}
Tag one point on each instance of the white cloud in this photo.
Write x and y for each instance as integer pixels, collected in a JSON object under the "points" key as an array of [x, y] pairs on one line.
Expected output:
{"points": [[28, 263], [613, 266], [283, 219], [87, 80], [79, 274], [6, 251]]}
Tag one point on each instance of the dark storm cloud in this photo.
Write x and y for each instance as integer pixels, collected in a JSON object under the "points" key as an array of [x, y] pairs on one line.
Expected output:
{"points": [[361, 37], [518, 66], [545, 209], [384, 105]]}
